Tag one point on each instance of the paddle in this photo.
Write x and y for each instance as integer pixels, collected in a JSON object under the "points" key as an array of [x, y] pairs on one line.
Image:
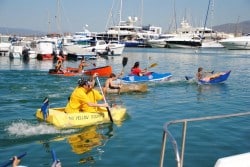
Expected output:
{"points": [[45, 108], [151, 66], [53, 153], [188, 77], [211, 72], [9, 162], [124, 62], [109, 113], [56, 161]]}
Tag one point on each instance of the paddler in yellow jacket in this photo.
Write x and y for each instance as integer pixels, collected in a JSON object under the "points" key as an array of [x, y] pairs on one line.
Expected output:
{"points": [[84, 98]]}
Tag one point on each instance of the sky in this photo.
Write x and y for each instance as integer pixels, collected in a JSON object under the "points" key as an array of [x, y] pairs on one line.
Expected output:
{"points": [[72, 15]]}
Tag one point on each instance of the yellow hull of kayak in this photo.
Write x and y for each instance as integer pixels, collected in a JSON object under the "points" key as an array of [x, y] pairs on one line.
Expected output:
{"points": [[60, 119]]}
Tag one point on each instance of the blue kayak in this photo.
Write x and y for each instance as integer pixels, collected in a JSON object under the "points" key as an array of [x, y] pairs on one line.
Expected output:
{"points": [[152, 76], [216, 78]]}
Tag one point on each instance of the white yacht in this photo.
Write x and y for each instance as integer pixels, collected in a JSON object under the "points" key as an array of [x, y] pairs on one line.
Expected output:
{"points": [[188, 37], [4, 44], [98, 47], [237, 43], [129, 33]]}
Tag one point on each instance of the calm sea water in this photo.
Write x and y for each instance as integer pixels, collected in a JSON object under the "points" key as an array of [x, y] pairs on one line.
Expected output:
{"points": [[137, 141]]}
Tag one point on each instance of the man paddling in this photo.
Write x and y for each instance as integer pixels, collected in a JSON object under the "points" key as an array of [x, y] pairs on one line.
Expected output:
{"points": [[109, 83], [84, 98]]}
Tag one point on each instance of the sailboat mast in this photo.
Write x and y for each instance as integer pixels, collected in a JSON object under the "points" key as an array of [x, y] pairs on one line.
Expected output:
{"points": [[142, 12], [58, 17], [49, 28], [120, 19], [205, 24]]}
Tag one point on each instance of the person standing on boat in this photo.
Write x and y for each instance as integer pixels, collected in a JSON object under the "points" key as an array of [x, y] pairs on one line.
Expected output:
{"points": [[84, 98], [81, 66], [136, 70], [59, 64], [109, 83]]}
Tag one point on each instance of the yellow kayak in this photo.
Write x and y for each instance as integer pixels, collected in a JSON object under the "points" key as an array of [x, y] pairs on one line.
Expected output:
{"points": [[61, 119]]}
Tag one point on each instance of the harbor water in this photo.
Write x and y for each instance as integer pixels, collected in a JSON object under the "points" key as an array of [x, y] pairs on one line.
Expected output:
{"points": [[138, 140]]}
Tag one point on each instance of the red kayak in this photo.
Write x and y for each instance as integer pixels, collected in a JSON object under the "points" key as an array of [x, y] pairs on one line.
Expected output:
{"points": [[64, 73], [104, 71]]}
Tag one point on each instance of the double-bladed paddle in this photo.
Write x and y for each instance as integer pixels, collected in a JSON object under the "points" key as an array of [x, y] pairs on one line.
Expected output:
{"points": [[124, 62], [151, 66], [45, 108], [9, 162]]}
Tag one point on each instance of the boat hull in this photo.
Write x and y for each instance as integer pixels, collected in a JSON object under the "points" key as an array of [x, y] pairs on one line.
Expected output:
{"points": [[104, 71], [218, 79], [64, 73], [59, 118], [153, 77], [127, 88], [237, 43]]}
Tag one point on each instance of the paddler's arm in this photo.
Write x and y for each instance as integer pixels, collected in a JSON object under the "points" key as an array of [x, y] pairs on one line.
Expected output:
{"points": [[90, 104], [92, 79], [16, 161], [120, 75]]}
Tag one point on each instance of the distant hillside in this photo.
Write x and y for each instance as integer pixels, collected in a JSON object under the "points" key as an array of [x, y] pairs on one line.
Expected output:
{"points": [[20, 31], [242, 27]]}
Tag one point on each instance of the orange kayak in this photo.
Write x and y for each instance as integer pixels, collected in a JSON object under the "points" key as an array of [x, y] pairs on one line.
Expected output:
{"points": [[64, 73], [104, 71]]}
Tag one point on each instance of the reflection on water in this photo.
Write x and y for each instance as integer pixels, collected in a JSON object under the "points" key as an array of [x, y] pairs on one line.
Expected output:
{"points": [[206, 90], [86, 140]]}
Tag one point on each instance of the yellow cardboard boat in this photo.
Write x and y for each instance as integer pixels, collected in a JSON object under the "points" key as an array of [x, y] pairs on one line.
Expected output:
{"points": [[61, 119]]}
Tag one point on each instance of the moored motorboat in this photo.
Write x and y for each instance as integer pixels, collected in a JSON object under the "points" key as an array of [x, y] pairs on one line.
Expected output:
{"points": [[150, 77], [127, 88], [237, 43], [59, 118], [104, 71]]}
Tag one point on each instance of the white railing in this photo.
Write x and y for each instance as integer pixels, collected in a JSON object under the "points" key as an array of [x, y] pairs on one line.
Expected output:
{"points": [[166, 134]]}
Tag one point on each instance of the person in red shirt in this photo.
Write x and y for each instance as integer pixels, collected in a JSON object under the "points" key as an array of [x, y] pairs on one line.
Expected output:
{"points": [[136, 70]]}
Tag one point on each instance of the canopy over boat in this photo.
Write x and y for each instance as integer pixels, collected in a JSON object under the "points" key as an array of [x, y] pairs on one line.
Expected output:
{"points": [[126, 88], [152, 76], [215, 78], [104, 71], [59, 118]]}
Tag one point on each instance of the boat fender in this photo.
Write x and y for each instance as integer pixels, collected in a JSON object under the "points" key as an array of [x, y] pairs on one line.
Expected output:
{"points": [[107, 49], [93, 50], [112, 52]]}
